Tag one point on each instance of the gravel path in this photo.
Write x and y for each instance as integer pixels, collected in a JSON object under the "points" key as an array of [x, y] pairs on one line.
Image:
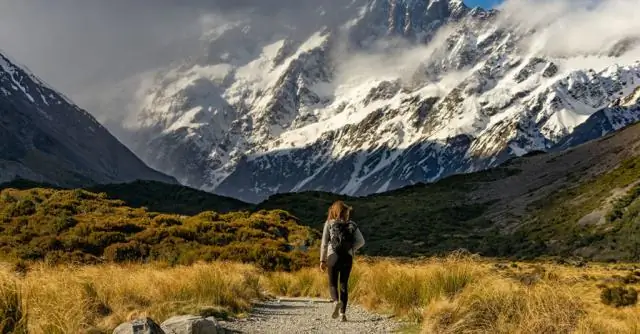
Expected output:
{"points": [[292, 316]]}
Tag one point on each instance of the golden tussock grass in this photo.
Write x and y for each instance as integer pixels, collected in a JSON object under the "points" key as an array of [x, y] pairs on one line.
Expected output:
{"points": [[502, 307], [462, 294], [75, 299], [13, 318], [455, 294]]}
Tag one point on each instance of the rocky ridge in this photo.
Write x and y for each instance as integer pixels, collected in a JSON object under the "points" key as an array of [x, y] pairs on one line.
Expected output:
{"points": [[47, 138], [404, 91]]}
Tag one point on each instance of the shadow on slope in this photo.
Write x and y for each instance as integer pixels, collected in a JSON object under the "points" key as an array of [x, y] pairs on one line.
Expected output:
{"points": [[422, 219], [541, 204], [169, 198], [155, 196]]}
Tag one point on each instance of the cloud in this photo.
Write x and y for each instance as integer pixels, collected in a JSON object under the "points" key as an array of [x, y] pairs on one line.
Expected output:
{"points": [[574, 33], [565, 28], [92, 49], [394, 58], [82, 47]]}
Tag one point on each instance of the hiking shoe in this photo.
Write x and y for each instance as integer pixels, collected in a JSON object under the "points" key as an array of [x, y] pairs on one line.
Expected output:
{"points": [[343, 317], [336, 309]]}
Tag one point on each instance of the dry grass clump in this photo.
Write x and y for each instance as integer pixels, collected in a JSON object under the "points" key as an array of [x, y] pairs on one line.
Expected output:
{"points": [[386, 285], [304, 283], [13, 315], [407, 289], [504, 307], [463, 294], [75, 299], [456, 294]]}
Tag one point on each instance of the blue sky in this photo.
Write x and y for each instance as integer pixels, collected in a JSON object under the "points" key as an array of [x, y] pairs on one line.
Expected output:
{"points": [[482, 3]]}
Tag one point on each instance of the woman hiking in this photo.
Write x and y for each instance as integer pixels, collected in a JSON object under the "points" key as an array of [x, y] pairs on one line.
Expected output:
{"points": [[341, 238]]}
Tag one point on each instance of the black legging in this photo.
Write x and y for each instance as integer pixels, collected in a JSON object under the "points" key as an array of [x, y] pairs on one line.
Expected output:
{"points": [[339, 269]]}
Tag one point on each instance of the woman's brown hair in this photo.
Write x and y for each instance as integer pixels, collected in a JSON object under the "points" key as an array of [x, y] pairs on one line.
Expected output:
{"points": [[339, 211]]}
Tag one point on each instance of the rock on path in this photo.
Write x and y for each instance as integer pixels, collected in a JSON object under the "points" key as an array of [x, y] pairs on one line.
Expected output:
{"points": [[293, 316]]}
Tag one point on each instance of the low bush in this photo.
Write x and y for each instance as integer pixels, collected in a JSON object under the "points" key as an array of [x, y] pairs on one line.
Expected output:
{"points": [[619, 296], [77, 226]]}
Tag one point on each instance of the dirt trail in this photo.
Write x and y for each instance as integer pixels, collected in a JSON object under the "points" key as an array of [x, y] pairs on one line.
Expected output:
{"points": [[298, 315]]}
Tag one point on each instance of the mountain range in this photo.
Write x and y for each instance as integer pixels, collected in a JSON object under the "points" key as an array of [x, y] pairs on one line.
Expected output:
{"points": [[393, 93], [583, 201], [387, 94], [47, 138]]}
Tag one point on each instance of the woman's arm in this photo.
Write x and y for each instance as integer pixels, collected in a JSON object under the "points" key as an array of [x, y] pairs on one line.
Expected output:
{"points": [[359, 242], [325, 242]]}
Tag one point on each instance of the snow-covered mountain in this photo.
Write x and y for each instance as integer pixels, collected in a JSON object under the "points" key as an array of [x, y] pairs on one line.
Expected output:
{"points": [[403, 91], [45, 137]]}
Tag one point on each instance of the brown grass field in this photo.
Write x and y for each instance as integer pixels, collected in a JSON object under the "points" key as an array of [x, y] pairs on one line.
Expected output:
{"points": [[457, 294]]}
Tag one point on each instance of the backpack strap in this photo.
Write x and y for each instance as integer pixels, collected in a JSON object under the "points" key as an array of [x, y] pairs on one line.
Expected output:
{"points": [[353, 225]]}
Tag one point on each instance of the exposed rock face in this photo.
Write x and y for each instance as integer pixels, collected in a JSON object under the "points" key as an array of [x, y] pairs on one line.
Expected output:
{"points": [[45, 137], [403, 91]]}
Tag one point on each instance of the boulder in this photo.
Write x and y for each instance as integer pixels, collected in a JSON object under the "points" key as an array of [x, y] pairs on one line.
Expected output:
{"points": [[139, 326], [191, 324]]}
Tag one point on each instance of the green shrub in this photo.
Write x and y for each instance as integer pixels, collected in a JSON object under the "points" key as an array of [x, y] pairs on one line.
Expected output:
{"points": [[63, 223], [630, 278], [82, 227], [166, 220], [619, 296], [130, 251], [21, 208], [8, 198], [97, 241]]}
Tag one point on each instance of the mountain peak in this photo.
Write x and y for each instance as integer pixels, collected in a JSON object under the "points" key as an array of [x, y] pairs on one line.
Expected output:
{"points": [[361, 111], [46, 138], [413, 19]]}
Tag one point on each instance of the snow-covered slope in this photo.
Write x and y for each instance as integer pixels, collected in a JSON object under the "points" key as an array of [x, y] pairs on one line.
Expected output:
{"points": [[404, 91], [45, 137]]}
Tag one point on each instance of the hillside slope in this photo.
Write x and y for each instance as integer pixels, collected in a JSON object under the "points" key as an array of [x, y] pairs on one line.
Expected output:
{"points": [[46, 138], [169, 198], [155, 196], [59, 226], [584, 201]]}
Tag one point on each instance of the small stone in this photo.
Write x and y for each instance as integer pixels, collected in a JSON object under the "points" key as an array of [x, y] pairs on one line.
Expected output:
{"points": [[139, 326], [190, 324]]}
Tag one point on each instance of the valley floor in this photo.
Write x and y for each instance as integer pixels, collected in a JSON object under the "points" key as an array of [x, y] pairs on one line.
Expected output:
{"points": [[455, 294]]}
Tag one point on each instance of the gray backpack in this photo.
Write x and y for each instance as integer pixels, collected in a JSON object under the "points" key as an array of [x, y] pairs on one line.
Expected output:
{"points": [[342, 236]]}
